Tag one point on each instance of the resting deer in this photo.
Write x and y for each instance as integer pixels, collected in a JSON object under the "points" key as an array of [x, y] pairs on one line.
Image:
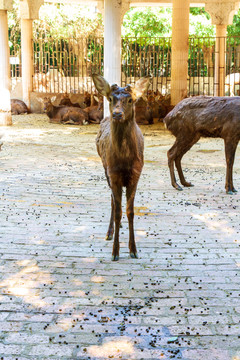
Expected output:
{"points": [[120, 145], [203, 116], [19, 107], [63, 114], [67, 102]]}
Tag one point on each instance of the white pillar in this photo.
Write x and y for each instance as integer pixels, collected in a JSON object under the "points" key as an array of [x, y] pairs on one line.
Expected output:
{"points": [[27, 59], [220, 62], [222, 15], [179, 63], [112, 44], [5, 104]]}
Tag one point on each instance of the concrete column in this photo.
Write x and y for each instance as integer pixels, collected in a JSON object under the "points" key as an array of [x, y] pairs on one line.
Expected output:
{"points": [[220, 60], [27, 59], [179, 63], [222, 15], [112, 44], [5, 80]]}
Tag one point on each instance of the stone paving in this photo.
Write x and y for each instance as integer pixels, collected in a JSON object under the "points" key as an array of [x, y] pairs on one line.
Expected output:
{"points": [[61, 296]]}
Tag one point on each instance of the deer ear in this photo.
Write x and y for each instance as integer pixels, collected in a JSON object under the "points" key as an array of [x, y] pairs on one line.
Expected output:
{"points": [[101, 84], [141, 87]]}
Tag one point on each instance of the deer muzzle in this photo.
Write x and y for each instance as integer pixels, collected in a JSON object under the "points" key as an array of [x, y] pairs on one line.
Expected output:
{"points": [[118, 116]]}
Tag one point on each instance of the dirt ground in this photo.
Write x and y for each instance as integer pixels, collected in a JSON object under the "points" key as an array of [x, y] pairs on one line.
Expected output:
{"points": [[61, 296]]}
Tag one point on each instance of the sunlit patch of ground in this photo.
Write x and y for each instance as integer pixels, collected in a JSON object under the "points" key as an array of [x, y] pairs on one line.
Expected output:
{"points": [[62, 297]]}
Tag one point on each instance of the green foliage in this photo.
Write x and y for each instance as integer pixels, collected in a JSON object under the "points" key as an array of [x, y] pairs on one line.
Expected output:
{"points": [[200, 26], [234, 29], [199, 11], [71, 21], [62, 21], [147, 22], [157, 22], [14, 25]]}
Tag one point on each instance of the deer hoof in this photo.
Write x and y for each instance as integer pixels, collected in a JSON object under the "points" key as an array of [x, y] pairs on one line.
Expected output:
{"points": [[188, 184], [134, 255], [231, 192], [108, 237], [178, 187], [115, 258]]}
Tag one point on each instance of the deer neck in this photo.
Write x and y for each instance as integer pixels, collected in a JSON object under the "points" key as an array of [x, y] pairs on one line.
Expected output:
{"points": [[52, 110], [123, 137]]}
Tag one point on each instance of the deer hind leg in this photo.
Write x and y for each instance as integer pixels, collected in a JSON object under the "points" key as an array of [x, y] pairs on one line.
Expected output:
{"points": [[131, 190], [230, 149], [172, 153], [182, 149], [117, 199], [175, 153]]}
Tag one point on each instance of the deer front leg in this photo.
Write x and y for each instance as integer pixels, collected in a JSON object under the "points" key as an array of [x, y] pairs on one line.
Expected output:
{"points": [[117, 199], [230, 149], [111, 224], [130, 215]]}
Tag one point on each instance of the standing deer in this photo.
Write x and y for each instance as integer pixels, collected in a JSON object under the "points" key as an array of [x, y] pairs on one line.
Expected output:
{"points": [[203, 116], [120, 145]]}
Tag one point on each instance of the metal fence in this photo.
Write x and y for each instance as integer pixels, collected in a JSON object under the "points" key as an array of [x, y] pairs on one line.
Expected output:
{"points": [[147, 56], [203, 72], [15, 56], [66, 64], [232, 79], [201, 66]]}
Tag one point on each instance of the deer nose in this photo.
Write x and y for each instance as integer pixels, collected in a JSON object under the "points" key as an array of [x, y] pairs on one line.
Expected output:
{"points": [[117, 115]]}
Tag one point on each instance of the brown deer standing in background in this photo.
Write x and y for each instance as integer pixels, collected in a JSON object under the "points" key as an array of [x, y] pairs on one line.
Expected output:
{"points": [[120, 145], [203, 116]]}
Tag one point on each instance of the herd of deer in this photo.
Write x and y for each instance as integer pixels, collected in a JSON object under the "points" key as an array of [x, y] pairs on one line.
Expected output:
{"points": [[120, 143], [89, 109]]}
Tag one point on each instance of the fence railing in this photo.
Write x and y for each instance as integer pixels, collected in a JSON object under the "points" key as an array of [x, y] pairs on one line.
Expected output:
{"points": [[147, 56], [65, 65]]}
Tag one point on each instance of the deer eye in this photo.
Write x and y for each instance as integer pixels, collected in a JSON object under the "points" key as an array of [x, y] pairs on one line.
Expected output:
{"points": [[110, 99], [130, 101]]}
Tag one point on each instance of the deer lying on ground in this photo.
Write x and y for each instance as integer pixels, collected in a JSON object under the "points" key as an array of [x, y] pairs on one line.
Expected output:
{"points": [[64, 114], [203, 116], [19, 107], [143, 112], [120, 145], [67, 102], [95, 112]]}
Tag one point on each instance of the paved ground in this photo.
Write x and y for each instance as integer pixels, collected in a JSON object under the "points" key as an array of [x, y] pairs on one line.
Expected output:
{"points": [[61, 297]]}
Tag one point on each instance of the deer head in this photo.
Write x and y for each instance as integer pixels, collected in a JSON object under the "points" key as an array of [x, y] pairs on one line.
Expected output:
{"points": [[47, 103], [121, 100]]}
